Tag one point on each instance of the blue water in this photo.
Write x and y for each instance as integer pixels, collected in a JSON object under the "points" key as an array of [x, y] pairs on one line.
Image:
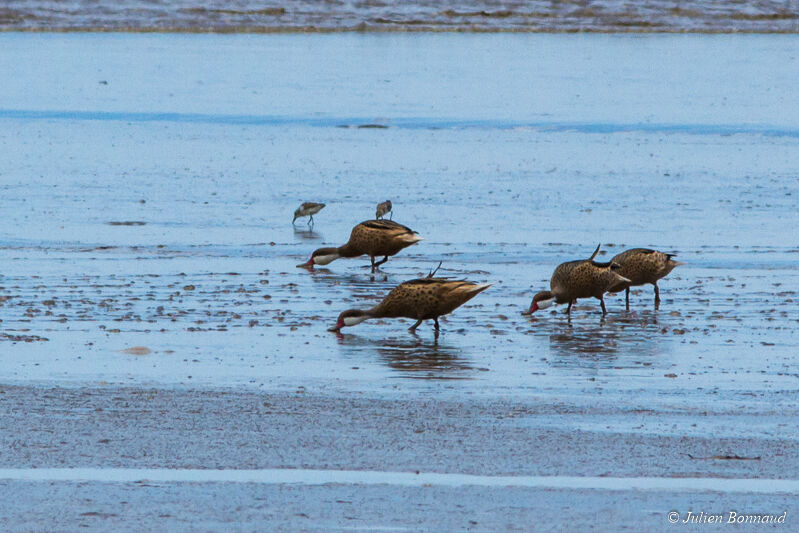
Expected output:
{"points": [[508, 153]]}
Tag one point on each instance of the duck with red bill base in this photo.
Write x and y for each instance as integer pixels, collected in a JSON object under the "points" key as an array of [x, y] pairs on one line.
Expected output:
{"points": [[419, 299], [374, 238], [584, 278]]}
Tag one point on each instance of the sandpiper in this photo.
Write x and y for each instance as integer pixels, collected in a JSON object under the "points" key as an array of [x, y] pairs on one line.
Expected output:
{"points": [[383, 208], [307, 209]]}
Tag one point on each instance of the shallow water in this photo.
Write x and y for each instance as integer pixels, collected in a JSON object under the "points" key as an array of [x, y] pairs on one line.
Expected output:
{"points": [[149, 190], [384, 15]]}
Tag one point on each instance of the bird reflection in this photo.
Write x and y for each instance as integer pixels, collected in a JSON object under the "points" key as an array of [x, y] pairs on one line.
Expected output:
{"points": [[415, 357], [604, 343], [424, 359], [306, 234], [362, 285]]}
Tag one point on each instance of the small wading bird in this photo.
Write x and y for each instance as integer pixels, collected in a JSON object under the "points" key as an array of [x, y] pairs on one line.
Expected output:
{"points": [[419, 299], [584, 278], [307, 209], [383, 208], [374, 238], [642, 266]]}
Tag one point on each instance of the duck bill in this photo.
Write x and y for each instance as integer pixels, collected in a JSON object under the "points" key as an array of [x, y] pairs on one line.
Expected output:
{"points": [[308, 265], [533, 309], [334, 329]]}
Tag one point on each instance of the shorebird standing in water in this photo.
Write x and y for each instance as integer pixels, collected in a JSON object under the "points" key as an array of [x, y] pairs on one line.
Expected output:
{"points": [[584, 278], [419, 299], [307, 209], [382, 209], [373, 238], [642, 266]]}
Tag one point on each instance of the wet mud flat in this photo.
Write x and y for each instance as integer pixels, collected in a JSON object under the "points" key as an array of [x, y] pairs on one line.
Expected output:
{"points": [[109, 428], [376, 16], [213, 507], [153, 315]]}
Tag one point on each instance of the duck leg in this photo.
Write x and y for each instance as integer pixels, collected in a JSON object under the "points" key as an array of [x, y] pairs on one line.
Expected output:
{"points": [[310, 220], [657, 296], [373, 263], [627, 297], [602, 303], [569, 309], [413, 328], [381, 261], [436, 321]]}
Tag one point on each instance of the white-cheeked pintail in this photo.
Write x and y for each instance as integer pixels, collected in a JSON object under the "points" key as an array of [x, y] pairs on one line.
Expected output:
{"points": [[584, 278], [419, 299], [374, 238], [642, 266]]}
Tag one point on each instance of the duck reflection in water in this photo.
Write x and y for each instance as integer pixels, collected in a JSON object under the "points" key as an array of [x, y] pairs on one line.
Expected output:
{"points": [[607, 341], [425, 360]]}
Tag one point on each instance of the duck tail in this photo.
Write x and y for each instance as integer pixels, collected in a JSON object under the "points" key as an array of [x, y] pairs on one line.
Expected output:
{"points": [[433, 272], [410, 238], [670, 259], [472, 289]]}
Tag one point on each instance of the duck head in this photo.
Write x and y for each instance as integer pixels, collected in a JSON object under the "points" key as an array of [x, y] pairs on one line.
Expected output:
{"points": [[542, 300], [350, 317], [322, 256]]}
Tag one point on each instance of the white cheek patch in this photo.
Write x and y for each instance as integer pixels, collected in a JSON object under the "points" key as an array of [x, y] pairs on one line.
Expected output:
{"points": [[325, 259], [353, 320], [543, 304]]}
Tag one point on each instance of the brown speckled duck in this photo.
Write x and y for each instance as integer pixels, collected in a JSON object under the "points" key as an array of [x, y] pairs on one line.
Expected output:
{"points": [[373, 238], [307, 209], [383, 208], [584, 278], [419, 299], [642, 266]]}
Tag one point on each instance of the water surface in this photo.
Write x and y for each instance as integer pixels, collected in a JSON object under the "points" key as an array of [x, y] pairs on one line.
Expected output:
{"points": [[149, 190]]}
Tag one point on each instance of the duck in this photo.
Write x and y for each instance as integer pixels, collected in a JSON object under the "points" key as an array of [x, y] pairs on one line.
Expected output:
{"points": [[307, 209], [374, 238], [382, 209], [642, 266], [419, 299], [583, 278]]}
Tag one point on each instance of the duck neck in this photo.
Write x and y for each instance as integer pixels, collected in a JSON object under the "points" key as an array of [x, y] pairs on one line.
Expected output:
{"points": [[348, 250], [378, 311]]}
